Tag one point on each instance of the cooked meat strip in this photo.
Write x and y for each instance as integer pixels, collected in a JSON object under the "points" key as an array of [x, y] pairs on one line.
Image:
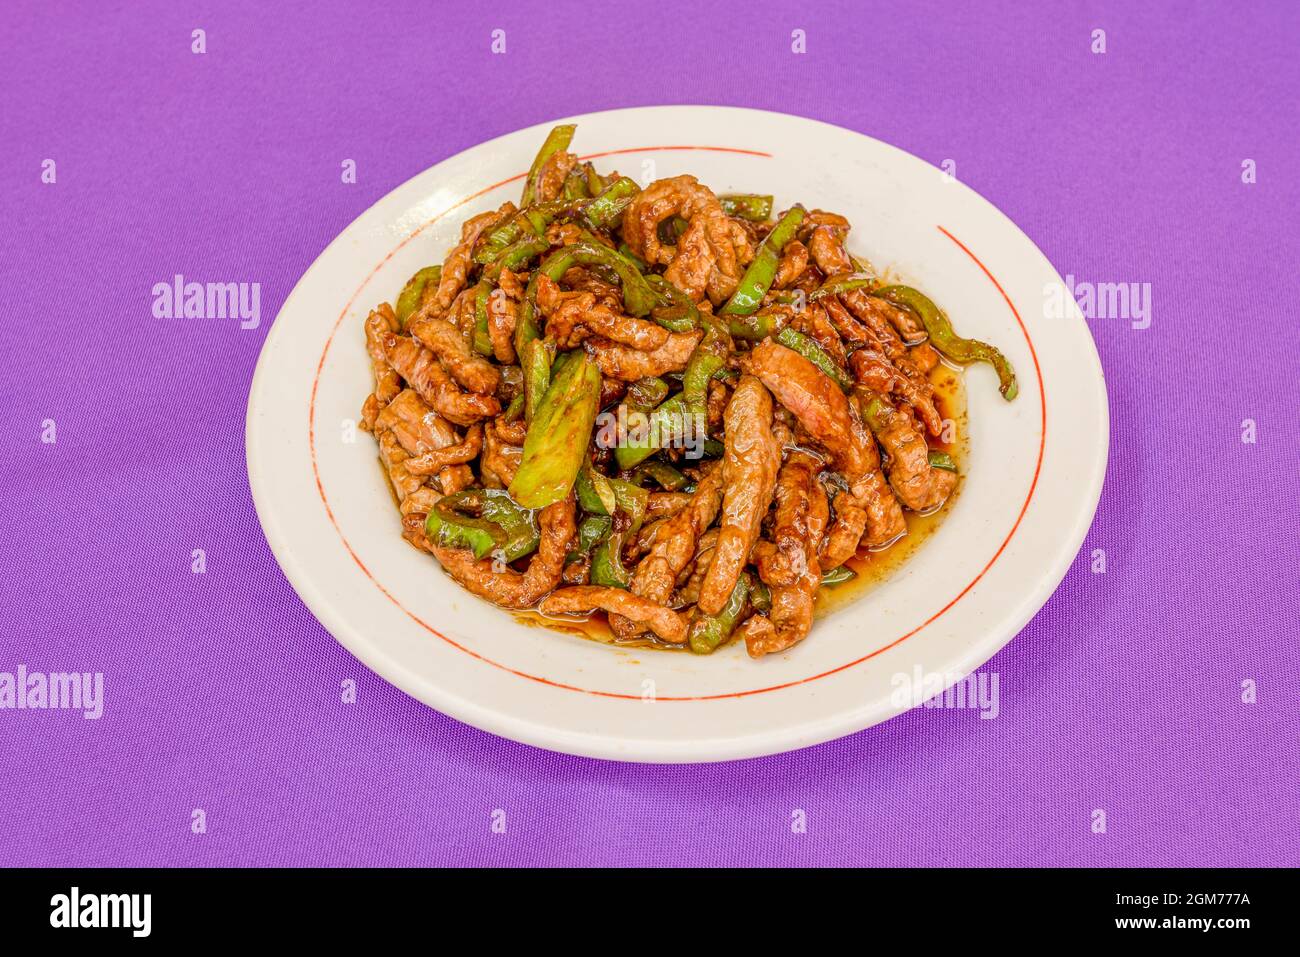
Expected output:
{"points": [[818, 404], [553, 172], [395, 458], [756, 632], [507, 587], [871, 369], [513, 284], [500, 457], [821, 218], [414, 518], [783, 562], [580, 599], [435, 460], [826, 244], [502, 312], [454, 478], [917, 485], [456, 267], [909, 328], [577, 572], [814, 323], [673, 547], [691, 578], [792, 604], [850, 329], [924, 356], [444, 340], [845, 533], [749, 468], [512, 433], [381, 323], [572, 317], [564, 234], [913, 385], [711, 254], [582, 279], [834, 424], [666, 504], [417, 427], [628, 364], [421, 369], [794, 260], [827, 247]]}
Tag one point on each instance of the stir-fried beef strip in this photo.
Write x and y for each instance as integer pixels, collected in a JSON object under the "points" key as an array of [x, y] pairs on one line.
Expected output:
{"points": [[379, 325], [630, 365], [660, 404], [424, 373], [455, 270], [794, 586], [749, 466]]}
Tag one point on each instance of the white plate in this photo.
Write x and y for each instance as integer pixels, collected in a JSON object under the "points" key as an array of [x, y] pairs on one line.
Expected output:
{"points": [[1033, 479]]}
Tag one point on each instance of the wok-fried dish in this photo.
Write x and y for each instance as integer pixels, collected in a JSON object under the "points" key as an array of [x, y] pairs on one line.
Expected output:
{"points": [[662, 404]]}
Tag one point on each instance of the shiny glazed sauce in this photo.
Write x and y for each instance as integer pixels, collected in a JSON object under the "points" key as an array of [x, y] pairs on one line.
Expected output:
{"points": [[871, 567]]}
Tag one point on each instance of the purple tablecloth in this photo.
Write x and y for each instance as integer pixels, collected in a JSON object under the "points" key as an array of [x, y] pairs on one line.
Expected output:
{"points": [[221, 693]]}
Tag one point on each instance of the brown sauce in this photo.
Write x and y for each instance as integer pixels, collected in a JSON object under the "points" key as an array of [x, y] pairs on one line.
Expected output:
{"points": [[872, 568]]}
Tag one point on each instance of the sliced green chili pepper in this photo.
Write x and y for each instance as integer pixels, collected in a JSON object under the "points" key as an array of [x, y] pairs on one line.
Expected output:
{"points": [[675, 312], [607, 565], [600, 495], [838, 576], [713, 449], [595, 182], [944, 339], [483, 520], [408, 300], [708, 359], [833, 287], [607, 559], [525, 225], [592, 530], [760, 596], [515, 257], [638, 298], [575, 184], [558, 139], [515, 409], [761, 272], [667, 477], [625, 251], [536, 363], [663, 423], [593, 491], [558, 434], [645, 394], [753, 327], [751, 206], [807, 347], [605, 210], [482, 340], [942, 460], [709, 631]]}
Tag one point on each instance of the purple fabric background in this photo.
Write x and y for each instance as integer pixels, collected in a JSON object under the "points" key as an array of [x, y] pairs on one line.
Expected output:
{"points": [[222, 691]]}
